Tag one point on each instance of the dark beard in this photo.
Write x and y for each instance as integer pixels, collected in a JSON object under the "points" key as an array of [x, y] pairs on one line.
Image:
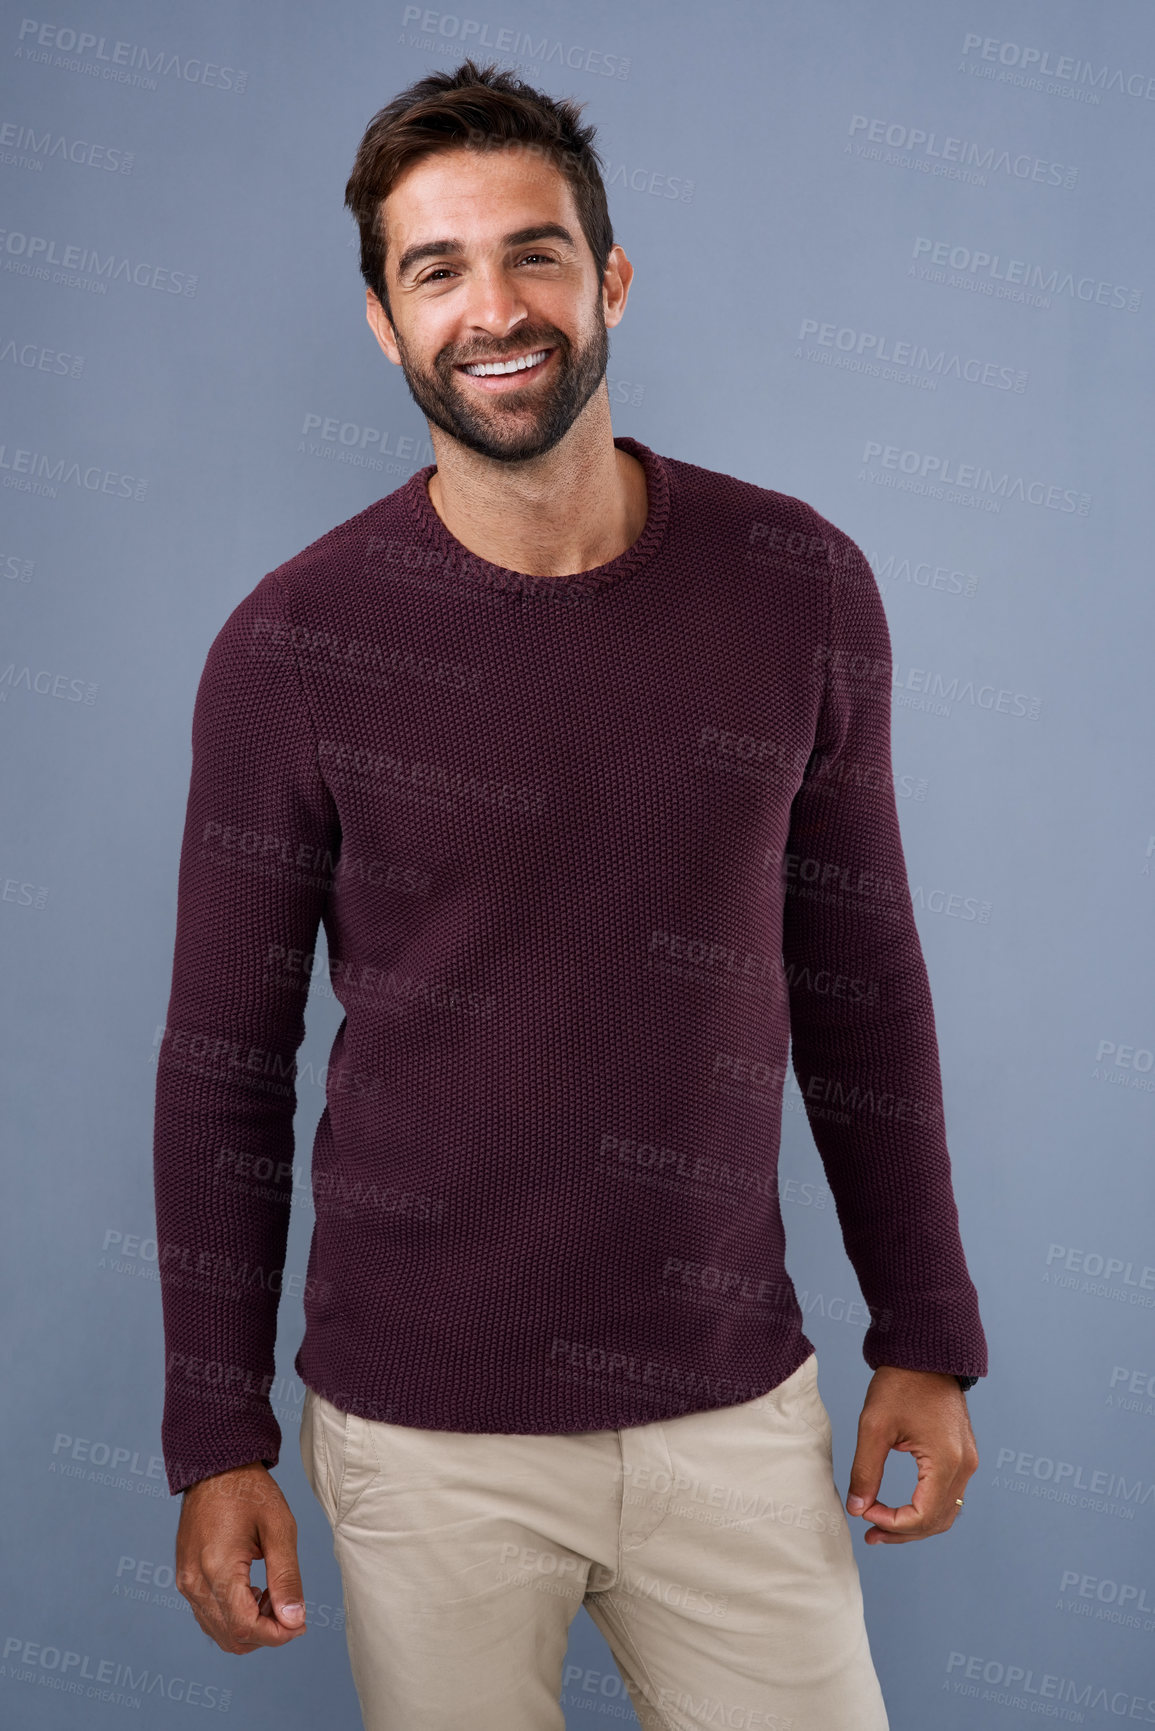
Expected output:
{"points": [[443, 400]]}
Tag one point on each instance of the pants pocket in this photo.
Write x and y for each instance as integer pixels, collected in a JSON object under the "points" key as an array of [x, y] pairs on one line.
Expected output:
{"points": [[345, 1461], [797, 1399], [316, 1451], [811, 1406]]}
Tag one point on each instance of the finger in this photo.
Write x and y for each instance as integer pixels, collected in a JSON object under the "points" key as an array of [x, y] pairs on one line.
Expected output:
{"points": [[882, 1513], [209, 1620], [932, 1500], [237, 1602], [217, 1635], [265, 1607], [930, 1511]]}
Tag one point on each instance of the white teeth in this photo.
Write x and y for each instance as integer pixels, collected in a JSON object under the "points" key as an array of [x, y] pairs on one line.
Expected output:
{"points": [[483, 369]]}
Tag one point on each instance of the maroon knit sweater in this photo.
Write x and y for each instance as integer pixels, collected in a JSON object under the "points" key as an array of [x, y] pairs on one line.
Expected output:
{"points": [[588, 852]]}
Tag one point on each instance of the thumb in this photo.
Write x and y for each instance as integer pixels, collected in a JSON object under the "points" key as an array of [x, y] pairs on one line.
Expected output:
{"points": [[866, 1476], [284, 1589]]}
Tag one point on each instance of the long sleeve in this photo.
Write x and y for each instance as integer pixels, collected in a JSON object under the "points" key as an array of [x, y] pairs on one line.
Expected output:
{"points": [[259, 847], [864, 1045]]}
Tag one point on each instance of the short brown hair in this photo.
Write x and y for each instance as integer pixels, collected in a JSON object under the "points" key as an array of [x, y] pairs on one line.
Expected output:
{"points": [[478, 107]]}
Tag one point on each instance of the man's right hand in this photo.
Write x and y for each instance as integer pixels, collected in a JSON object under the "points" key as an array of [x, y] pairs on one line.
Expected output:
{"points": [[225, 1523]]}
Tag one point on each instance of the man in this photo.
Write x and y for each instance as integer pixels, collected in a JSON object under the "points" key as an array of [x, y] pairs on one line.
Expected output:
{"points": [[581, 756]]}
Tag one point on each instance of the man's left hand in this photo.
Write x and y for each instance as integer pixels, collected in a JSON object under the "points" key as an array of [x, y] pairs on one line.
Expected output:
{"points": [[924, 1413]]}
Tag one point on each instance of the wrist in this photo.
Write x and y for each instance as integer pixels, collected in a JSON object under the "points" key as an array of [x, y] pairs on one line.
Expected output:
{"points": [[964, 1382]]}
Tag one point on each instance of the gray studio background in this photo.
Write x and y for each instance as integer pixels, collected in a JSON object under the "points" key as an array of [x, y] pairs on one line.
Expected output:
{"points": [[894, 259]]}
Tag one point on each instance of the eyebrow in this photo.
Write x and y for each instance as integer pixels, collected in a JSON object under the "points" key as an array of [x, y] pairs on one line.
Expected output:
{"points": [[452, 247]]}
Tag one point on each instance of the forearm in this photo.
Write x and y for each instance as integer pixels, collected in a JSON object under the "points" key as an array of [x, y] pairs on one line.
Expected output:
{"points": [[225, 1090]]}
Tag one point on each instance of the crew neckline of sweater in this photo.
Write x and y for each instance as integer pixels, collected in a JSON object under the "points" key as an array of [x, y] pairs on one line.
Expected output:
{"points": [[473, 568]]}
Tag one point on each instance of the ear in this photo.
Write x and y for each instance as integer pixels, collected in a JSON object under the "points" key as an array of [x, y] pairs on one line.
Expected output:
{"points": [[619, 274], [381, 327]]}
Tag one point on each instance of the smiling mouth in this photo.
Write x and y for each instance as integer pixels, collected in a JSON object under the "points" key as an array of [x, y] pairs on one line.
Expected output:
{"points": [[506, 374]]}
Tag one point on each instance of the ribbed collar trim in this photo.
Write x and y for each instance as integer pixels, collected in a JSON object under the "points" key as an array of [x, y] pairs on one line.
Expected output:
{"points": [[470, 567]]}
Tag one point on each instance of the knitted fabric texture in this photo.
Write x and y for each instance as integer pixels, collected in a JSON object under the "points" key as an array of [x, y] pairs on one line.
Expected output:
{"points": [[597, 859]]}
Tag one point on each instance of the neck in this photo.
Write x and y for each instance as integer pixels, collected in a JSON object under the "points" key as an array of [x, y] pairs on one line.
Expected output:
{"points": [[577, 506]]}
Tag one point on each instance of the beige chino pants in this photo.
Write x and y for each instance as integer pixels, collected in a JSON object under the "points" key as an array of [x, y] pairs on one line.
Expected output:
{"points": [[711, 1550]]}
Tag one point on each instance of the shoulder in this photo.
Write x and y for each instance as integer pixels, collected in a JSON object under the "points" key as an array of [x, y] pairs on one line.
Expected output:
{"points": [[773, 524], [337, 560], [309, 583], [792, 540]]}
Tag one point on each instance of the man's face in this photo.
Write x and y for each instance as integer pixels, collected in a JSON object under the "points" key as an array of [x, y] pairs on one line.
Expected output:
{"points": [[461, 291]]}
